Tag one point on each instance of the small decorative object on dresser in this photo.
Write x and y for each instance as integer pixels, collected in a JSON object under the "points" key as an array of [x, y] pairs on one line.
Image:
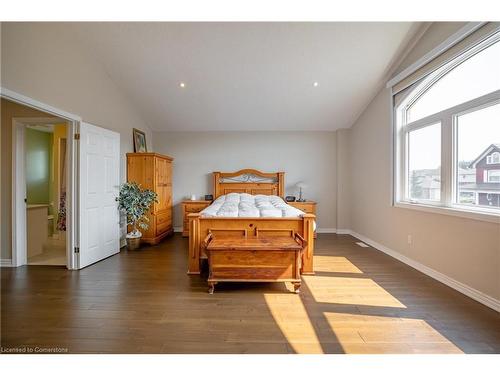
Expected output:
{"points": [[309, 207], [191, 207], [154, 172], [139, 141], [209, 197], [290, 198], [301, 185]]}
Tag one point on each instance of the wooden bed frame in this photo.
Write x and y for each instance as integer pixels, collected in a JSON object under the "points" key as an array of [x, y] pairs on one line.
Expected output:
{"points": [[253, 182]]}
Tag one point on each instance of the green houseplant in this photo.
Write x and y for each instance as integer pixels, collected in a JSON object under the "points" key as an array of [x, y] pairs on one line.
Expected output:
{"points": [[135, 202]]}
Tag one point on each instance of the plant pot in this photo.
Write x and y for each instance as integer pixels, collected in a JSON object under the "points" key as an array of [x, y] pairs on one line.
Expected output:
{"points": [[133, 243]]}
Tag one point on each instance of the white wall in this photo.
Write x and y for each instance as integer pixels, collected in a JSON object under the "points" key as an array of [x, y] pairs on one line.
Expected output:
{"points": [[465, 250], [307, 156], [44, 61]]}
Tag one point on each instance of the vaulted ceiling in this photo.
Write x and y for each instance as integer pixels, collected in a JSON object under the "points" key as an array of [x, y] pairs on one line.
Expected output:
{"points": [[247, 76]]}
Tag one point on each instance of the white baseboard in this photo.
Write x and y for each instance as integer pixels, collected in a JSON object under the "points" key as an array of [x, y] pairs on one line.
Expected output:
{"points": [[5, 262], [344, 231], [452, 283], [178, 229], [326, 230]]}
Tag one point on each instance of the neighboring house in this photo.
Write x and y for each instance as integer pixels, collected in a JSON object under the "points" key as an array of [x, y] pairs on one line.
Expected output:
{"points": [[426, 184], [486, 188], [478, 181], [466, 176]]}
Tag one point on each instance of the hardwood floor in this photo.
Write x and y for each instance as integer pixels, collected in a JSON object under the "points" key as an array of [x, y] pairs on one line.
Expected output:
{"points": [[359, 301]]}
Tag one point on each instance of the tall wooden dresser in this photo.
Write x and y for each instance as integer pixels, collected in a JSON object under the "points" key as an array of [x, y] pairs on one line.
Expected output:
{"points": [[154, 171]]}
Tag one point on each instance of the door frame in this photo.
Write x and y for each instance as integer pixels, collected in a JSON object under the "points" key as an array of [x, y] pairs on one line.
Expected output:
{"points": [[19, 256]]}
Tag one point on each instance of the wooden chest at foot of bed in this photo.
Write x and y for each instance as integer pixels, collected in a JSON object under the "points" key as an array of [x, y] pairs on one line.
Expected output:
{"points": [[254, 259]]}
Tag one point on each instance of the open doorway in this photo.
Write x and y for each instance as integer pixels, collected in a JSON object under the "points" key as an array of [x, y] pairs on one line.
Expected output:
{"points": [[81, 213], [45, 170], [37, 183]]}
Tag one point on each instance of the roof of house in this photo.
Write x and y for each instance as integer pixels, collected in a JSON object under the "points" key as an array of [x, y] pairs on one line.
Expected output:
{"points": [[427, 172], [462, 171], [484, 153], [490, 186]]}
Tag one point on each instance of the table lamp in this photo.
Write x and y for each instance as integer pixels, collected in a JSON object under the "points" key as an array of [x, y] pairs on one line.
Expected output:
{"points": [[301, 185]]}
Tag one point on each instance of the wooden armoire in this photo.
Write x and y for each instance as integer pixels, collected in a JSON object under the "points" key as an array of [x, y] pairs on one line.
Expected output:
{"points": [[154, 171]]}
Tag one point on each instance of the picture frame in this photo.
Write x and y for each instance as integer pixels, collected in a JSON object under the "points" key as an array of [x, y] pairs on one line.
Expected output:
{"points": [[139, 141]]}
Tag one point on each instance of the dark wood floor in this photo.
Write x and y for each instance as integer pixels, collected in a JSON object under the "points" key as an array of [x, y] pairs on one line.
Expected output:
{"points": [[359, 301]]}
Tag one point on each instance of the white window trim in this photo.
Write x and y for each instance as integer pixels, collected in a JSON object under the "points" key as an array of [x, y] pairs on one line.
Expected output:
{"points": [[455, 38], [474, 214]]}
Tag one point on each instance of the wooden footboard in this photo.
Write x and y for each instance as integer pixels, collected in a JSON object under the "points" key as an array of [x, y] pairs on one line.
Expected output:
{"points": [[254, 259], [199, 227]]}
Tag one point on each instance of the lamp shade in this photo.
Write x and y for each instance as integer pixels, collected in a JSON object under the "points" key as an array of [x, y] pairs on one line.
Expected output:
{"points": [[301, 185]]}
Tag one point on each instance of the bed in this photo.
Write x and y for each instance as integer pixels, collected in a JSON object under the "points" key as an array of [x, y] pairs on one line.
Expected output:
{"points": [[253, 183]]}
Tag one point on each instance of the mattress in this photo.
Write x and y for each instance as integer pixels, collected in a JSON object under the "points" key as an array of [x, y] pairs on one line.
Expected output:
{"points": [[247, 205]]}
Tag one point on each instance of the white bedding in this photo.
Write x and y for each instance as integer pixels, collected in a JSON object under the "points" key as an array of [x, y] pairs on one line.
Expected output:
{"points": [[247, 205]]}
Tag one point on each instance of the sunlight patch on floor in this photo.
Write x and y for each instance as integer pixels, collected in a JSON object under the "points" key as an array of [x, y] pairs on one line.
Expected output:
{"points": [[334, 264], [381, 334], [350, 290], [291, 316]]}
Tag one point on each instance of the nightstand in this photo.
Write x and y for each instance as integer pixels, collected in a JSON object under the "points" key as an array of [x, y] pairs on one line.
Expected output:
{"points": [[191, 207], [309, 207]]}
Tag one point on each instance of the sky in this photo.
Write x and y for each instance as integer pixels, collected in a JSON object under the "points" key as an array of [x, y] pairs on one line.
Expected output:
{"points": [[476, 131], [425, 148]]}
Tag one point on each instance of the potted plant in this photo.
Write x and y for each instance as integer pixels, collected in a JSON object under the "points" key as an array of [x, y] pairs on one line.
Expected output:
{"points": [[135, 203]]}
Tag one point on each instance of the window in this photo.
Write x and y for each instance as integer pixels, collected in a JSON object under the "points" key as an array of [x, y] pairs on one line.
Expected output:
{"points": [[477, 132], [494, 158], [494, 176], [447, 87], [424, 163], [447, 129]]}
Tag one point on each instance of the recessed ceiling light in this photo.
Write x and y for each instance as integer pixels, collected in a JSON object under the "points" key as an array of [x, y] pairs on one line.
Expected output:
{"points": [[315, 84], [182, 84]]}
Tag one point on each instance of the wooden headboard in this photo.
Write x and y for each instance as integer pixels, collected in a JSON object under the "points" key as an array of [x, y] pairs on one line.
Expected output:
{"points": [[249, 181]]}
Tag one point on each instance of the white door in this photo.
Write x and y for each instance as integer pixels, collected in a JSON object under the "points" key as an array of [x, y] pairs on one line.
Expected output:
{"points": [[99, 179]]}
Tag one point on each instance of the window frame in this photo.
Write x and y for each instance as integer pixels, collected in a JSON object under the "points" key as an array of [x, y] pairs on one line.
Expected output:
{"points": [[488, 171], [448, 118]]}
